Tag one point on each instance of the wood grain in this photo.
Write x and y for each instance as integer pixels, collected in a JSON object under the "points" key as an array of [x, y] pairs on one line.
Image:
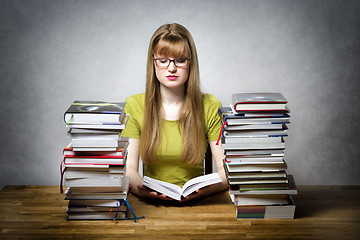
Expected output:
{"points": [[322, 212]]}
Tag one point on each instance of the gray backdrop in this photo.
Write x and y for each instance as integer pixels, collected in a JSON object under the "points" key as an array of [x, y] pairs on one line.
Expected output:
{"points": [[53, 52]]}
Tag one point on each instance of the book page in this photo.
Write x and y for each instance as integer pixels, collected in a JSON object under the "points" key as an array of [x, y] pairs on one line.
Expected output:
{"points": [[200, 182]]}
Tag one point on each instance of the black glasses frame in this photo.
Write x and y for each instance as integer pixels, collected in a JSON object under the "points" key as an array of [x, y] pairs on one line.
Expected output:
{"points": [[173, 60]]}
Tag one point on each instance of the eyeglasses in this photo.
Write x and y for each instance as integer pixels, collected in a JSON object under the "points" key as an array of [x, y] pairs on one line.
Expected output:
{"points": [[179, 62]]}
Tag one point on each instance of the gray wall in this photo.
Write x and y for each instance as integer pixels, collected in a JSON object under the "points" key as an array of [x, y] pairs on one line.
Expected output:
{"points": [[52, 52]]}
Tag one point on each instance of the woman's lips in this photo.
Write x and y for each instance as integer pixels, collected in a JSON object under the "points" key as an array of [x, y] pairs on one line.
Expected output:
{"points": [[171, 77]]}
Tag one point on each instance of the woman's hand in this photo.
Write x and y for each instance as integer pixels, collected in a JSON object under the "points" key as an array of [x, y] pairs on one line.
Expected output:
{"points": [[149, 193], [200, 193]]}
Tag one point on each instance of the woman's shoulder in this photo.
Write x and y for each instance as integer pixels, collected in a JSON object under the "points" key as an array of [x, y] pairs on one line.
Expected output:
{"points": [[135, 103], [140, 97], [210, 101], [136, 99]]}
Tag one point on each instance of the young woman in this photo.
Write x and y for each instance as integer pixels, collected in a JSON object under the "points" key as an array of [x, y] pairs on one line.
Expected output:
{"points": [[172, 123]]}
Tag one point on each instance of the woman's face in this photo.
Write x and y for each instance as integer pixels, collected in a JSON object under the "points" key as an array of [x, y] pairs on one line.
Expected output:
{"points": [[172, 76]]}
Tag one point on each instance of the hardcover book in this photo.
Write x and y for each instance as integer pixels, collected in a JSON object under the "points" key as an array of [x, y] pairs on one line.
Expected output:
{"points": [[259, 102], [234, 118], [269, 211], [95, 112]]}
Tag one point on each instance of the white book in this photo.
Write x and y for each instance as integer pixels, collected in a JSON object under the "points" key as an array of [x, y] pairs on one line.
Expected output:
{"points": [[71, 130], [89, 118], [175, 191], [254, 160], [256, 175], [99, 136], [98, 192], [257, 181], [260, 199], [255, 126], [255, 133], [90, 174], [77, 191], [100, 125], [240, 121], [245, 146], [103, 126], [100, 196], [252, 139], [248, 167], [94, 182], [290, 190], [108, 143], [94, 203], [96, 216], [88, 209], [85, 160]]}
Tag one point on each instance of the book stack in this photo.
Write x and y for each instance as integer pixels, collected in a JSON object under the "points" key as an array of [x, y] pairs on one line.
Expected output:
{"points": [[93, 168], [253, 138]]}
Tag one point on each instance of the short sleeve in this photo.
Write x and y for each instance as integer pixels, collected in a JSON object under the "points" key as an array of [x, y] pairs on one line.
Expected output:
{"points": [[135, 108], [212, 119]]}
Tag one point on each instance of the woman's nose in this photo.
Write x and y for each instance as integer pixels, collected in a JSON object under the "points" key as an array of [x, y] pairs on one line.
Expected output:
{"points": [[172, 67]]}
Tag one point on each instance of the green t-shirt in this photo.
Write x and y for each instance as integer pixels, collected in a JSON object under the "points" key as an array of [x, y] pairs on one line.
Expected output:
{"points": [[168, 165]]}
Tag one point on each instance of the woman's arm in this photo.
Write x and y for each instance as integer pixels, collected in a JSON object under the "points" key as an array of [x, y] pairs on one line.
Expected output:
{"points": [[132, 164], [132, 170], [218, 156]]}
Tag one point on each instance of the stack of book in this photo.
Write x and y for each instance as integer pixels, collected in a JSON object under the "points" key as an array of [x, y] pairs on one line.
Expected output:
{"points": [[253, 138], [93, 168]]}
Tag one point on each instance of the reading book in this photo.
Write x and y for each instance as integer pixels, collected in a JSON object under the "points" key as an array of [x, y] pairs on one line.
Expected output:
{"points": [[175, 191]]}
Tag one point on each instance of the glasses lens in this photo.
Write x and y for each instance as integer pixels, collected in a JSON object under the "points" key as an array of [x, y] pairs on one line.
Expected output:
{"points": [[181, 62], [163, 62]]}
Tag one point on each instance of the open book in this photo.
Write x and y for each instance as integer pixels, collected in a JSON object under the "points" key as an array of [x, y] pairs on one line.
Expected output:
{"points": [[175, 192]]}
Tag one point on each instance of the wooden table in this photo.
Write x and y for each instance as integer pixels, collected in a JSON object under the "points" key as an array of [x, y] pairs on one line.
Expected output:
{"points": [[322, 212]]}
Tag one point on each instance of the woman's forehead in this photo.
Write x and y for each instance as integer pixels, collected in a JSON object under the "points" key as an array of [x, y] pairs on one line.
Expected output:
{"points": [[172, 49]]}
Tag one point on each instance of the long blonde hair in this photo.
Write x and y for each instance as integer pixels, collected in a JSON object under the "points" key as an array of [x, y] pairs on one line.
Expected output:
{"points": [[172, 40]]}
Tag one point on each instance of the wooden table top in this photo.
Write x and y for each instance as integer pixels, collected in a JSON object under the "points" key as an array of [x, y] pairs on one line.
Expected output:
{"points": [[322, 212]]}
